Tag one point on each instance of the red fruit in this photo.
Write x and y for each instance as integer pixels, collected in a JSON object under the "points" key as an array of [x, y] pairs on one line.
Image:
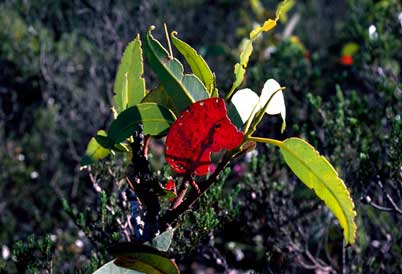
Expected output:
{"points": [[202, 128], [171, 185], [346, 60]]}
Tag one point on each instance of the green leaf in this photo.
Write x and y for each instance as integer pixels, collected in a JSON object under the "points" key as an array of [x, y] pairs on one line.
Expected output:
{"points": [[129, 86], [318, 174], [94, 151], [246, 51], [234, 116], [350, 49], [104, 141], [183, 89], [283, 10], [239, 72], [163, 241], [247, 48], [111, 268], [143, 258], [197, 64], [155, 118], [121, 147], [160, 97]]}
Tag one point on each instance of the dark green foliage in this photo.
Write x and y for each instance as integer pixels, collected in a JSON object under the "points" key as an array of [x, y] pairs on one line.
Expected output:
{"points": [[56, 78], [34, 255], [215, 208]]}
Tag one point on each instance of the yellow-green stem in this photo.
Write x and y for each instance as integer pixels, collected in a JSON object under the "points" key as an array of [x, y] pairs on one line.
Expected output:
{"points": [[265, 140], [229, 95], [168, 41]]}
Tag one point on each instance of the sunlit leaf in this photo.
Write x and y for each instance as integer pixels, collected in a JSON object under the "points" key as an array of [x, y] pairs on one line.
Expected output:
{"points": [[350, 49], [257, 8], [277, 103], [246, 51], [283, 9], [247, 48], [197, 64], [239, 72], [143, 258], [245, 101], [183, 89], [94, 151], [155, 118], [199, 130], [129, 86], [318, 174], [267, 26]]}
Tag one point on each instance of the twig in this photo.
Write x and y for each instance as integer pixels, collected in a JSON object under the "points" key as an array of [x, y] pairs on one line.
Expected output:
{"points": [[181, 195], [389, 198], [343, 258], [171, 215], [147, 141], [294, 20]]}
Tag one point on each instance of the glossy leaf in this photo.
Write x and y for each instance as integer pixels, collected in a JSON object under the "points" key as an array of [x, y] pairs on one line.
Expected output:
{"points": [[112, 268], [94, 151], [197, 64], [183, 89], [318, 174], [143, 258], [155, 118], [129, 86], [201, 129]]}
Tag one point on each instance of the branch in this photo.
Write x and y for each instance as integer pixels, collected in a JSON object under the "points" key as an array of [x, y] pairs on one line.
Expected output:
{"points": [[171, 215], [395, 207]]}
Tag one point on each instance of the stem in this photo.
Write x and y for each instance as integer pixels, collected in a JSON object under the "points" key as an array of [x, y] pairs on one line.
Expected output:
{"points": [[171, 215], [232, 89], [266, 140], [147, 141], [168, 41], [181, 194]]}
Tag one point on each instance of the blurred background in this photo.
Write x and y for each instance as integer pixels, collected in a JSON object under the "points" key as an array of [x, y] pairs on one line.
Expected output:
{"points": [[340, 62]]}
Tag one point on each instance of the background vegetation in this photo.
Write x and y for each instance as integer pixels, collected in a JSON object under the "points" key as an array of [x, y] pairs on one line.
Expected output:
{"points": [[57, 64]]}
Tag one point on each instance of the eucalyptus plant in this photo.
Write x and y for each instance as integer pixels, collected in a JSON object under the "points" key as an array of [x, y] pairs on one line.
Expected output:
{"points": [[188, 110]]}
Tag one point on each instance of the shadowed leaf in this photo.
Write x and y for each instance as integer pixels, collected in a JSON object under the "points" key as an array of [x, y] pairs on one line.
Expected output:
{"points": [[155, 118], [143, 258]]}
